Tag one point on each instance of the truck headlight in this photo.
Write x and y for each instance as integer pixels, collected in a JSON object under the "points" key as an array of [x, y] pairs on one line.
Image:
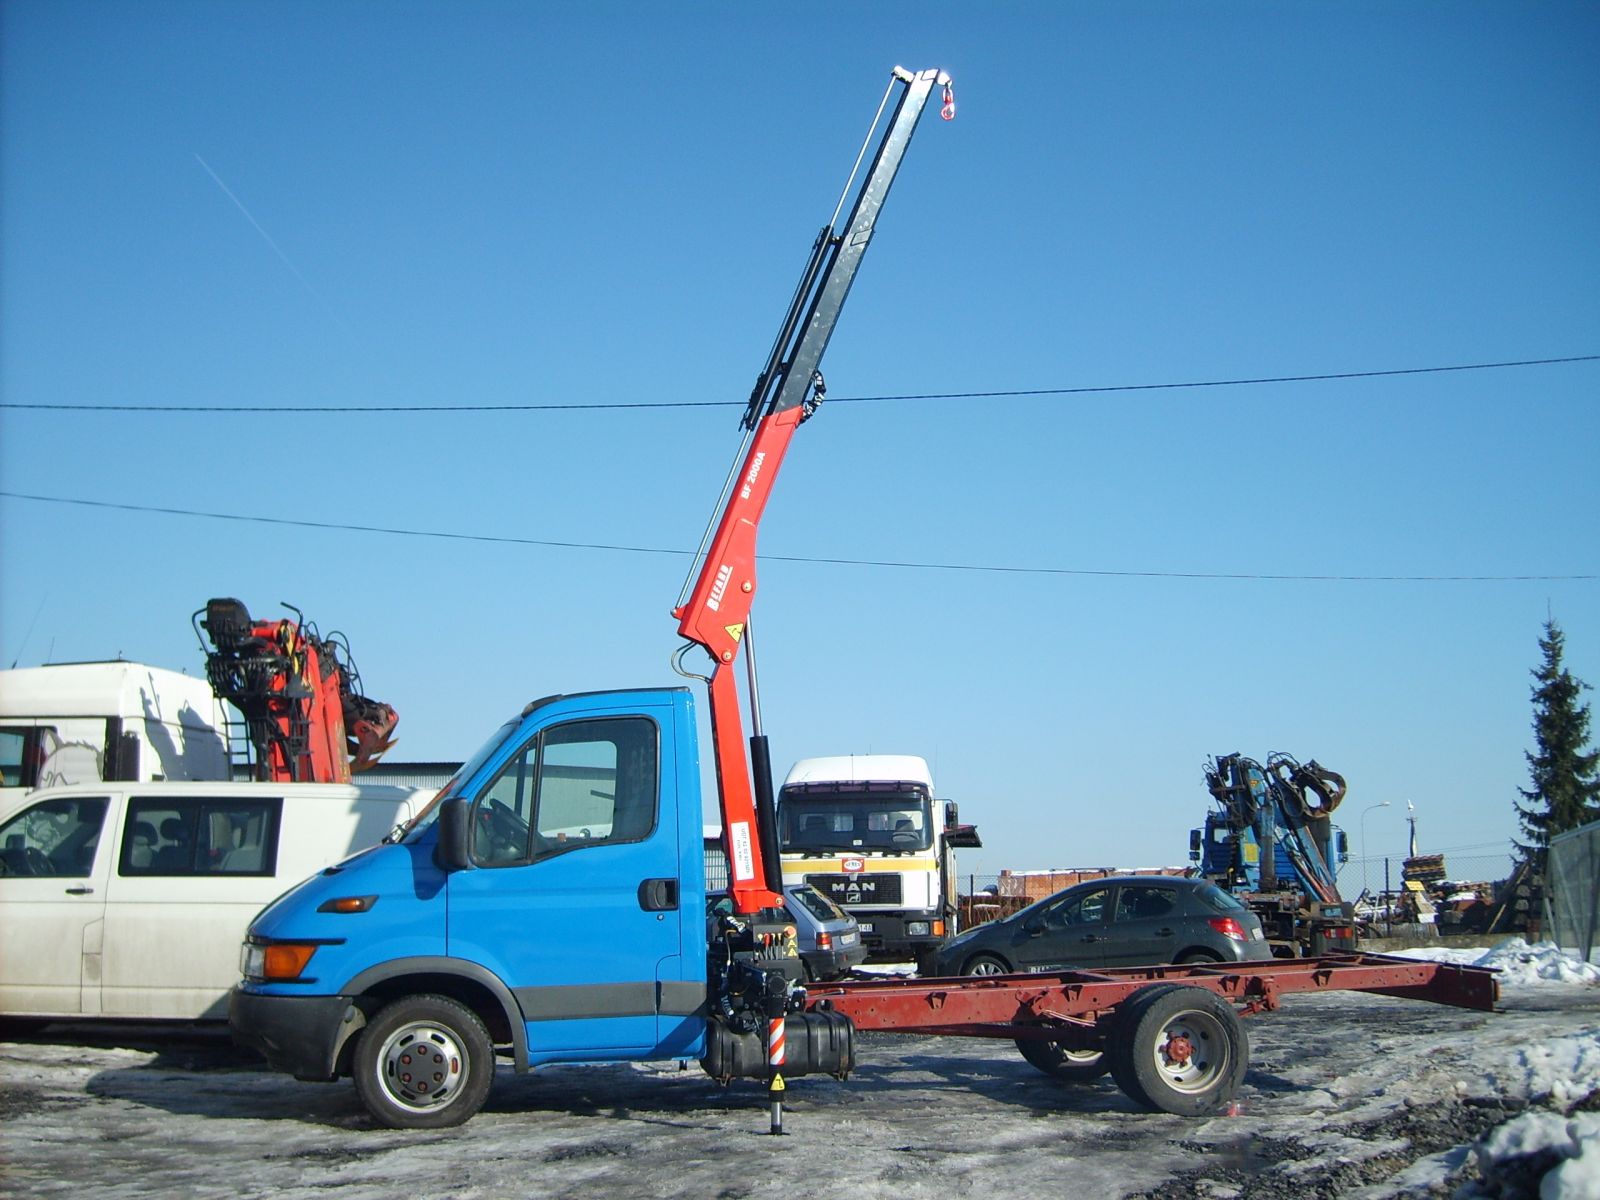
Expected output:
{"points": [[917, 928], [275, 961]]}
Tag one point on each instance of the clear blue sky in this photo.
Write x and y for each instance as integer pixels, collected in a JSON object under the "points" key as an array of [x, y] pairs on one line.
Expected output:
{"points": [[482, 203]]}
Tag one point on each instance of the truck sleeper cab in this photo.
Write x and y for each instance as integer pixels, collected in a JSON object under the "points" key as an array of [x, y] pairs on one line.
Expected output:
{"points": [[538, 904]]}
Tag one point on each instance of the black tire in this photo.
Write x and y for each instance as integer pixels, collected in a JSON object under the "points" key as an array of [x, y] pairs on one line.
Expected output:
{"points": [[1180, 1050], [1055, 1060], [1198, 956], [985, 964], [445, 1039]]}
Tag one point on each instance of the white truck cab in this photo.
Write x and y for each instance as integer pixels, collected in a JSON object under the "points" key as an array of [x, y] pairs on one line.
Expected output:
{"points": [[98, 721], [866, 831]]}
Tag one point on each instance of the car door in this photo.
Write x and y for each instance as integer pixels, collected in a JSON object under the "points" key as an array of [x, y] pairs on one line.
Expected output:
{"points": [[573, 901], [1068, 933], [1144, 926], [54, 859]]}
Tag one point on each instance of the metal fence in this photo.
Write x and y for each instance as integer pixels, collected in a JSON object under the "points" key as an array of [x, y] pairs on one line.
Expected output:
{"points": [[1572, 894]]}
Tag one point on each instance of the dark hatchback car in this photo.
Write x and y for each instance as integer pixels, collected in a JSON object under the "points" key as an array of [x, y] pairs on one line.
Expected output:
{"points": [[1126, 921]]}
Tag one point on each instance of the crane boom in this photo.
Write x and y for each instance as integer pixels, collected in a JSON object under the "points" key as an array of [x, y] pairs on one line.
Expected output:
{"points": [[713, 611]]}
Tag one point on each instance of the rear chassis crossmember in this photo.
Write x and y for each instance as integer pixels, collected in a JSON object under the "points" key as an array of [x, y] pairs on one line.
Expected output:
{"points": [[1079, 1006]]}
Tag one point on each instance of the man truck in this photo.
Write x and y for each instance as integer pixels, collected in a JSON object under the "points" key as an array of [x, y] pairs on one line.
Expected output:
{"points": [[867, 831]]}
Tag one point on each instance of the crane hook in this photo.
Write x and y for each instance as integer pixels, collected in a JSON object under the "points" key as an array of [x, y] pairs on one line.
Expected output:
{"points": [[948, 111]]}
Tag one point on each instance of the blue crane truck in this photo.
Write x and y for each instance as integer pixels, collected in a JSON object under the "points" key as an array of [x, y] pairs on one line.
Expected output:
{"points": [[1270, 841], [549, 905]]}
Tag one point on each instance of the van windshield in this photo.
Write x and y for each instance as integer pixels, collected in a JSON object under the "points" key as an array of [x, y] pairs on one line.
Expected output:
{"points": [[458, 781]]}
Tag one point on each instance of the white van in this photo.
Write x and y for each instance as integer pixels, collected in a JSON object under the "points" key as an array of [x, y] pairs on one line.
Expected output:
{"points": [[130, 900]]}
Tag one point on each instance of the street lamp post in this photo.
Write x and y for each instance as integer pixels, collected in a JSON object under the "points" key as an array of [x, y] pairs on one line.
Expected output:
{"points": [[1363, 825]]}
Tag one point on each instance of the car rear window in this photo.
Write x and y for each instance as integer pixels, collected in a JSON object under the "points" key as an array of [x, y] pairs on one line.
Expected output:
{"points": [[817, 904], [1215, 898]]}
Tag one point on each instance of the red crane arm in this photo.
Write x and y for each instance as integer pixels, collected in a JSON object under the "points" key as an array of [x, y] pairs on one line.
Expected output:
{"points": [[714, 611]]}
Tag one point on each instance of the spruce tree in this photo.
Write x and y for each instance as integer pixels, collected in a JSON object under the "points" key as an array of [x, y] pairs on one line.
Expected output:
{"points": [[1566, 786]]}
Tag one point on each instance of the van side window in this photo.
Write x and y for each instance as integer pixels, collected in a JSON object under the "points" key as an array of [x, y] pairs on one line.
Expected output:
{"points": [[54, 839], [167, 835], [586, 783]]}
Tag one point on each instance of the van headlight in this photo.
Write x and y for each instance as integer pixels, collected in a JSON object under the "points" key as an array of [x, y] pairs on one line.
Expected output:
{"points": [[252, 960]]}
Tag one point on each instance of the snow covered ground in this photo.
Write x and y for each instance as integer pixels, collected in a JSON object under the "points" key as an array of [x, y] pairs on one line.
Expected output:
{"points": [[1348, 1095]]}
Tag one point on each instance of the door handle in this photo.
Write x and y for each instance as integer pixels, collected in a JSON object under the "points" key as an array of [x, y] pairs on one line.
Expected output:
{"points": [[1164, 933], [80, 891], [658, 895]]}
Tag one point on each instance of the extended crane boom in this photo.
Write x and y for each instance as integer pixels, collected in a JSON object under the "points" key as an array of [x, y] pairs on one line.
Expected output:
{"points": [[714, 609]]}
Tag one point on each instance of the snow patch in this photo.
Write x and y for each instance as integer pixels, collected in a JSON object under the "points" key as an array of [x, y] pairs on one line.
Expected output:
{"points": [[1520, 963]]}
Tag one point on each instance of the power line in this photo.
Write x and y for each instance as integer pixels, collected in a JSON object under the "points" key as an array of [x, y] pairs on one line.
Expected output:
{"points": [[896, 564], [638, 404]]}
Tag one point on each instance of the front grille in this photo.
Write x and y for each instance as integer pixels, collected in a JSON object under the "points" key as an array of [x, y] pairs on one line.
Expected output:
{"points": [[858, 889]]}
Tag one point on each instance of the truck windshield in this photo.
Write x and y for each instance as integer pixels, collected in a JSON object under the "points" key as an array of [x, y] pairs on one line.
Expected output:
{"points": [[841, 822], [457, 781]]}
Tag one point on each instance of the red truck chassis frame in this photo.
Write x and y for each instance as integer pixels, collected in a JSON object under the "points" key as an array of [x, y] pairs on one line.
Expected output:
{"points": [[1047, 1005]]}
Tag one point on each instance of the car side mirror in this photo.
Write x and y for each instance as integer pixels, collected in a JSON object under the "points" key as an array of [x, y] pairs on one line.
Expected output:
{"points": [[454, 852]]}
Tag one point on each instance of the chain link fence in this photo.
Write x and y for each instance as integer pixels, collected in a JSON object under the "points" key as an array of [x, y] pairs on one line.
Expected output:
{"points": [[1572, 894]]}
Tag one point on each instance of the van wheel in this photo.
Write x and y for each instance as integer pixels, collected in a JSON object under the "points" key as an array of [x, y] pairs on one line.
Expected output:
{"points": [[424, 1062]]}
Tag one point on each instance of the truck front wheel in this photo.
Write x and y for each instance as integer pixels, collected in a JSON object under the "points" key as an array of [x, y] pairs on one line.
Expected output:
{"points": [[424, 1062]]}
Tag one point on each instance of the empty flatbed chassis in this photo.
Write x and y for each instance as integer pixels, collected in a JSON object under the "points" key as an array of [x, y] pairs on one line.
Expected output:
{"points": [[1170, 1036]]}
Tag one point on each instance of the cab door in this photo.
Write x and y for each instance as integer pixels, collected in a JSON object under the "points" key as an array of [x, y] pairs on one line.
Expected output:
{"points": [[54, 861], [573, 897]]}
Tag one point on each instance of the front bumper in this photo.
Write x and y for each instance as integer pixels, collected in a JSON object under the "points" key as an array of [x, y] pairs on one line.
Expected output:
{"points": [[299, 1035]]}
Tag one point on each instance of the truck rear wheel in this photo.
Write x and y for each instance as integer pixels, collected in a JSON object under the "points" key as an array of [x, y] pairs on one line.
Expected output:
{"points": [[1059, 1062], [1180, 1050], [424, 1062]]}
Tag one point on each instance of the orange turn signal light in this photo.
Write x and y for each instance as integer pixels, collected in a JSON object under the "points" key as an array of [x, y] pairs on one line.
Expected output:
{"points": [[286, 960], [347, 904]]}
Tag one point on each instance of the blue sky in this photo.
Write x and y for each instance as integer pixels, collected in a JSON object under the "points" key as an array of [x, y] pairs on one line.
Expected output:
{"points": [[382, 205]]}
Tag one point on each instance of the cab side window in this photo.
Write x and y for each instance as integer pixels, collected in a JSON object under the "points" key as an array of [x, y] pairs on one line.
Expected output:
{"points": [[53, 839], [200, 836], [20, 755], [582, 784]]}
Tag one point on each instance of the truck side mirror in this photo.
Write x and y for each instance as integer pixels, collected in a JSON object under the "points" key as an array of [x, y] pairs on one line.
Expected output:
{"points": [[454, 852], [952, 814], [1194, 845], [1342, 843]]}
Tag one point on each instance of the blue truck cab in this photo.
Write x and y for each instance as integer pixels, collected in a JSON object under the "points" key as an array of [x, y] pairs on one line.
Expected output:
{"points": [[550, 901]]}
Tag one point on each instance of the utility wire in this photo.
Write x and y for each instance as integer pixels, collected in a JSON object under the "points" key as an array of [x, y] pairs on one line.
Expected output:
{"points": [[993, 395], [906, 565]]}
